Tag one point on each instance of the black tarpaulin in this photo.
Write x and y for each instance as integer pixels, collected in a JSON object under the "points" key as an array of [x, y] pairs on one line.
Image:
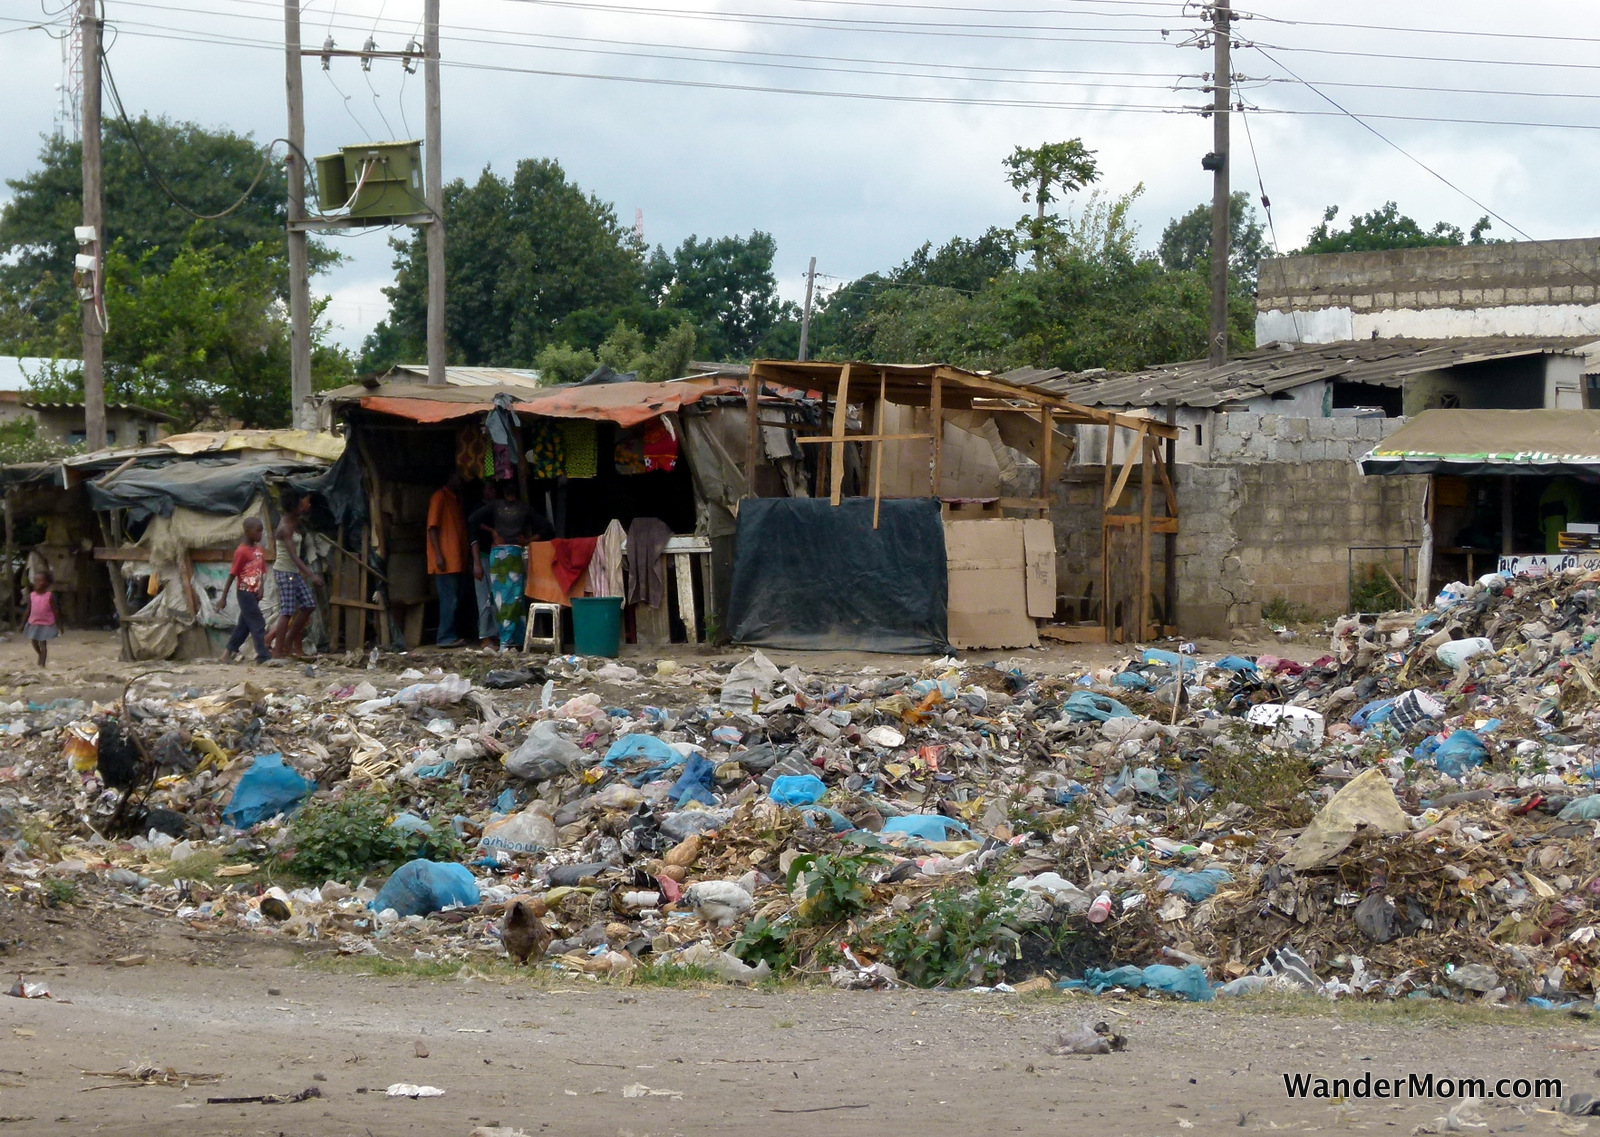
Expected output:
{"points": [[340, 488], [210, 487], [809, 575]]}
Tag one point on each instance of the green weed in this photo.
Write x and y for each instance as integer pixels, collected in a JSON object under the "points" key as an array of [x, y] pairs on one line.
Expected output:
{"points": [[344, 837], [835, 888], [953, 937]]}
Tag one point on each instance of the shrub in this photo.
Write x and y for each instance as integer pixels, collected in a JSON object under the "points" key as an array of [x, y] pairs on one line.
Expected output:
{"points": [[762, 940], [953, 937], [835, 890], [337, 838]]}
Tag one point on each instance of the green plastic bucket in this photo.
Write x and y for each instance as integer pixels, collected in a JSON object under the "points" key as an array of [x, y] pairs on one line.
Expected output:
{"points": [[597, 625]]}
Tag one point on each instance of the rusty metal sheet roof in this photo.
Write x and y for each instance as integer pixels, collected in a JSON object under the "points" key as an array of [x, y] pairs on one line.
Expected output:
{"points": [[1281, 367]]}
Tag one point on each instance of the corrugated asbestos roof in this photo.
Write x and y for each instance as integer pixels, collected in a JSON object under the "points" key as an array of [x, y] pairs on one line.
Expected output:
{"points": [[472, 376], [1282, 367]]}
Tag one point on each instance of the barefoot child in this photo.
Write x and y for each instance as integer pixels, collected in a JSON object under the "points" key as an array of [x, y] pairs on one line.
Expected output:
{"points": [[44, 620], [249, 566]]}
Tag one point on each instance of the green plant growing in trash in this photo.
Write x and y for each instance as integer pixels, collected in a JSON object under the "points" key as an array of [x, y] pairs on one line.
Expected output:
{"points": [[835, 888], [1265, 779], [57, 893], [953, 937], [1372, 592], [763, 940], [1282, 610], [337, 838]]}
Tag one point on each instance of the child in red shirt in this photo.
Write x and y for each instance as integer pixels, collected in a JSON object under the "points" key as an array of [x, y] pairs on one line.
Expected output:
{"points": [[249, 566]]}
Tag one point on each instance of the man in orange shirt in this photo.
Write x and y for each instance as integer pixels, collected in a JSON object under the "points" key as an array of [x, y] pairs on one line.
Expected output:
{"points": [[447, 555]]}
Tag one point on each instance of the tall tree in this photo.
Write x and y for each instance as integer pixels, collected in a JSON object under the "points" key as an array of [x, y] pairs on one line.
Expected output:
{"points": [[1186, 241], [1387, 228], [1043, 175], [208, 170], [530, 261], [725, 286]]}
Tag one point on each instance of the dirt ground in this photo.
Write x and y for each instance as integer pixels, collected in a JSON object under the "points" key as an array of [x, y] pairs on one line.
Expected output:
{"points": [[550, 1055]]}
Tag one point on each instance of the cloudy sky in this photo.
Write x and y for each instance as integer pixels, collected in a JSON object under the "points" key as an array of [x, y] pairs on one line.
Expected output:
{"points": [[854, 130]]}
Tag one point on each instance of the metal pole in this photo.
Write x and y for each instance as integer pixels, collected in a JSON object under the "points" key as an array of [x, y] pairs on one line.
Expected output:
{"points": [[94, 208], [433, 174], [299, 257], [805, 313], [1218, 164]]}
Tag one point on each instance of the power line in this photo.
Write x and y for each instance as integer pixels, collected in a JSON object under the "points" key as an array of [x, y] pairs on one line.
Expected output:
{"points": [[1420, 31], [1427, 58]]}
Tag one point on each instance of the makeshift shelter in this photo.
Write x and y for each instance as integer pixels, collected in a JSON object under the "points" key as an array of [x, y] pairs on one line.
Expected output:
{"points": [[169, 517], [1513, 490], [611, 451], [911, 431]]}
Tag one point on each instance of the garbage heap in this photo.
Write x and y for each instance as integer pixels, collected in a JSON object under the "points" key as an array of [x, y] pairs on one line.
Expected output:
{"points": [[1411, 815]]}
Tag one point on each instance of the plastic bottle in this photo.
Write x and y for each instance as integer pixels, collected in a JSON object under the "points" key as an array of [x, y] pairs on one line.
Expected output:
{"points": [[1100, 910]]}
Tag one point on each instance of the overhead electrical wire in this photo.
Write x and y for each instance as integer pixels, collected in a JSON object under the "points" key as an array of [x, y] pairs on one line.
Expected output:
{"points": [[1437, 31]]}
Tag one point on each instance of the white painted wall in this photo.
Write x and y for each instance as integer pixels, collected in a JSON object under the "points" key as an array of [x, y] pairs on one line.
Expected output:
{"points": [[1331, 325]]}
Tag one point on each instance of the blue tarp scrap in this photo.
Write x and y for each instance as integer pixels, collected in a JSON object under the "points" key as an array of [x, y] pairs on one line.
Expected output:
{"points": [[1086, 706], [1190, 981]]}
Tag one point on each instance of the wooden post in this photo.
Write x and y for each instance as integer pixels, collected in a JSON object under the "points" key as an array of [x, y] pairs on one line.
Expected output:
{"points": [[1507, 542], [1106, 614], [1425, 554], [1169, 551], [936, 429], [1047, 430], [300, 414], [752, 435], [10, 610], [1147, 444], [433, 192], [119, 592], [841, 417], [877, 447], [94, 201]]}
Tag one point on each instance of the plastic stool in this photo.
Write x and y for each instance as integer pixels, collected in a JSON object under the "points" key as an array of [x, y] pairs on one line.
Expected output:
{"points": [[551, 641]]}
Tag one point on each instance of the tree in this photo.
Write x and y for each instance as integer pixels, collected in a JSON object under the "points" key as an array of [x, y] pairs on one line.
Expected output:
{"points": [[1186, 241], [530, 261], [1387, 228], [203, 338], [208, 170], [725, 285], [1044, 173], [623, 351]]}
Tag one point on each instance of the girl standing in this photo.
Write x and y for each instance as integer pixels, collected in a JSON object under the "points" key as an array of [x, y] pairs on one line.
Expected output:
{"points": [[44, 618]]}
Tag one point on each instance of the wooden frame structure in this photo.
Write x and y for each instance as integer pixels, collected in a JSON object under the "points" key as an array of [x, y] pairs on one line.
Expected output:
{"points": [[1125, 591]]}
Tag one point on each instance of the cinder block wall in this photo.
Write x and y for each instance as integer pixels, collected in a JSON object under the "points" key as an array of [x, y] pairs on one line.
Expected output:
{"points": [[1274, 514]]}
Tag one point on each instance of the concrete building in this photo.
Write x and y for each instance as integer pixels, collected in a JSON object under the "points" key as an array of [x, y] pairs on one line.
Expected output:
{"points": [[126, 425]]}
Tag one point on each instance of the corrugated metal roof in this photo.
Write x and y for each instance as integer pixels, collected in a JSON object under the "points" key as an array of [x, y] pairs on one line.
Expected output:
{"points": [[472, 376], [1282, 367]]}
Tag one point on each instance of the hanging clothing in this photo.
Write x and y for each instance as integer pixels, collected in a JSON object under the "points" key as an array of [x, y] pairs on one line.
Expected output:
{"points": [[580, 440], [605, 570], [488, 613], [508, 568], [572, 557], [501, 421], [647, 570], [471, 450], [505, 462], [660, 446], [547, 452]]}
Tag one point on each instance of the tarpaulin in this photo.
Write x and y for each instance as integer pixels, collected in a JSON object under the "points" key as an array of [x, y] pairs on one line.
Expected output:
{"points": [[627, 404], [210, 486], [341, 489], [814, 576], [1456, 441]]}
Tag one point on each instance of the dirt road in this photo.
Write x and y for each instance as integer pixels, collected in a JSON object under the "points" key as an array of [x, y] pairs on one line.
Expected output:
{"points": [[557, 1059]]}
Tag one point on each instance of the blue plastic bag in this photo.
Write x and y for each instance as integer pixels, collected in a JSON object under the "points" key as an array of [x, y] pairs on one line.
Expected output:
{"points": [[421, 886], [1375, 711], [797, 789], [1197, 886], [1236, 663], [1461, 752], [1132, 680], [1086, 706], [267, 789], [1169, 658], [646, 746], [1581, 809], [1190, 981], [837, 821], [694, 784], [927, 826]]}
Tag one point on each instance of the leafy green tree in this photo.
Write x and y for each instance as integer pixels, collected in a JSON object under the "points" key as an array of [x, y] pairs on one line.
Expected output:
{"points": [[1043, 175], [199, 334], [1186, 242], [725, 285], [530, 260], [207, 169], [960, 263], [1387, 228], [623, 350]]}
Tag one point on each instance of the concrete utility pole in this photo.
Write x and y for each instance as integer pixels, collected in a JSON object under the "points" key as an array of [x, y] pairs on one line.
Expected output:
{"points": [[1217, 163], [805, 313], [433, 189], [299, 256], [94, 208]]}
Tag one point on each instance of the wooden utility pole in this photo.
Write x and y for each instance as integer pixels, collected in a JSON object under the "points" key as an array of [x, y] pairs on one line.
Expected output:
{"points": [[805, 313], [433, 189], [1217, 163], [93, 296], [299, 256]]}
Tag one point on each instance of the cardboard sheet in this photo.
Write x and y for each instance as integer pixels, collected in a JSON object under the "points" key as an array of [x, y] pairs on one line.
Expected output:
{"points": [[988, 584]]}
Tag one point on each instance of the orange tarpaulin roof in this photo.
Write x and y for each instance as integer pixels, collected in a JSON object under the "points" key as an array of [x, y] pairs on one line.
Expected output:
{"points": [[626, 404]]}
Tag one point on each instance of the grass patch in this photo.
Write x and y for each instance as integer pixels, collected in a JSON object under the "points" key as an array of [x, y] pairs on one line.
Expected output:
{"points": [[667, 974], [202, 865], [1282, 610], [1396, 1012]]}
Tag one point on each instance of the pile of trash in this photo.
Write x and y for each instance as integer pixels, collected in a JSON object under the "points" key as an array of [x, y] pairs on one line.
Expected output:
{"points": [[1413, 814]]}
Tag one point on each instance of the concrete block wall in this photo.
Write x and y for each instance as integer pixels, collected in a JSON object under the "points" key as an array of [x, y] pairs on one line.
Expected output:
{"points": [[1273, 514]]}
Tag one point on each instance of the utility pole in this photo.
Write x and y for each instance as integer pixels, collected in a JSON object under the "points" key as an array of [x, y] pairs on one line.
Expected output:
{"points": [[433, 190], [94, 209], [1217, 163], [805, 313], [299, 257]]}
